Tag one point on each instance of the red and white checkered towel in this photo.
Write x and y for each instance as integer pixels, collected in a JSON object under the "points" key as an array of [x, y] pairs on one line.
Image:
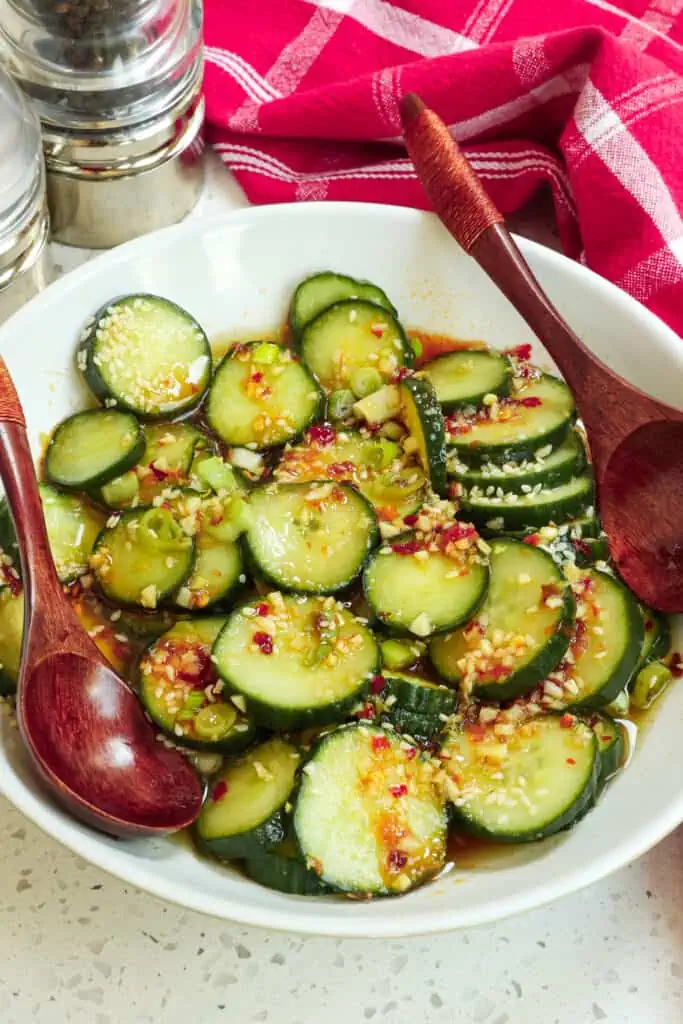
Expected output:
{"points": [[584, 95]]}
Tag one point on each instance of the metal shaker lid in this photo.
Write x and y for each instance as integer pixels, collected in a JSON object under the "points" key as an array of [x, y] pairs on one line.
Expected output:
{"points": [[21, 161]]}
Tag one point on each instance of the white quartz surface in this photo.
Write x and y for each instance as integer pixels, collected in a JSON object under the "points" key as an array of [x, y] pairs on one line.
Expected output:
{"points": [[76, 945]]}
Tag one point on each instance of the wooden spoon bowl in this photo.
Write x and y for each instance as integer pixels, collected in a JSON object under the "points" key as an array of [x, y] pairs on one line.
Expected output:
{"points": [[636, 442], [83, 726]]}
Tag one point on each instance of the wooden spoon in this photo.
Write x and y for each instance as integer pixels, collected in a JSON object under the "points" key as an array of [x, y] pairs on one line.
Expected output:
{"points": [[83, 726], [636, 442]]}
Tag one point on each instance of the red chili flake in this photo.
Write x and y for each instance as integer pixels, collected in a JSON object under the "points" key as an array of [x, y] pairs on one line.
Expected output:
{"points": [[649, 624], [411, 752], [397, 860], [263, 609], [411, 519], [498, 672], [401, 374], [377, 684], [455, 427], [676, 665], [454, 491], [533, 539], [582, 547], [531, 402], [520, 352], [12, 580], [367, 713], [380, 743], [264, 641], [323, 433], [476, 730], [341, 470], [399, 790], [205, 674], [257, 376], [605, 739], [409, 547], [386, 513], [566, 721], [458, 531], [570, 760], [219, 791], [378, 329], [159, 474], [549, 590]]}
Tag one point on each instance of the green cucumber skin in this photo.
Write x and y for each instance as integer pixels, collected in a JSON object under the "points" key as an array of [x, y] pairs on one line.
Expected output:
{"points": [[662, 642], [518, 452], [625, 671], [101, 390], [611, 756], [256, 570], [284, 874], [130, 459], [419, 700], [451, 406], [518, 517], [578, 809], [296, 327], [247, 844], [420, 727], [407, 348], [280, 719], [548, 477], [431, 418]]}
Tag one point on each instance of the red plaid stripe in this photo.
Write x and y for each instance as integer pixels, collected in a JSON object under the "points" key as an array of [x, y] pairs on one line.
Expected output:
{"points": [[584, 96]]}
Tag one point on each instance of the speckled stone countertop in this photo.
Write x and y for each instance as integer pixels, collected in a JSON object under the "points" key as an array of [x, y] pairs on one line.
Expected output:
{"points": [[76, 945]]}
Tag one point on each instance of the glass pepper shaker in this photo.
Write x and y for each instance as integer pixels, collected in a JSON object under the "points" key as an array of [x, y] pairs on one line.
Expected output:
{"points": [[117, 87], [24, 222]]}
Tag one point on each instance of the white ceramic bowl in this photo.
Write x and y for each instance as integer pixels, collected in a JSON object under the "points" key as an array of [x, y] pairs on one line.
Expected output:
{"points": [[236, 274]]}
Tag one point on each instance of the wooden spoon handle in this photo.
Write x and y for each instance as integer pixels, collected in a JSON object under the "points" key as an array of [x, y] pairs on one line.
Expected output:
{"points": [[21, 488]]}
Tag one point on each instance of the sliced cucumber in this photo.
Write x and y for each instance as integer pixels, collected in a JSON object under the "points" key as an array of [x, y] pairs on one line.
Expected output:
{"points": [[245, 811], [607, 641], [11, 633], [380, 406], [559, 466], [657, 636], [326, 289], [217, 576], [370, 816], [261, 397], [144, 353], [73, 525], [611, 745], [214, 474], [378, 467], [512, 511], [283, 870], [297, 661], [142, 558], [414, 590], [421, 413], [465, 377], [313, 538], [419, 696], [400, 654], [513, 429], [649, 684], [92, 447], [182, 694], [527, 785], [517, 638], [352, 335]]}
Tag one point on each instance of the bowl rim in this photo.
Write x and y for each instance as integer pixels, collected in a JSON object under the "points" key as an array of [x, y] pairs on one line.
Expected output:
{"points": [[90, 846]]}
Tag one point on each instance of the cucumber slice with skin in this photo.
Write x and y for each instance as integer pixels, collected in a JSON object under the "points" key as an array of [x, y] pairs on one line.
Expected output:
{"points": [[297, 661], [244, 813], [413, 590], [176, 675], [73, 526], [422, 416], [529, 785], [142, 557], [369, 815], [146, 354], [605, 646], [91, 448], [283, 870], [657, 636], [261, 404], [322, 290], [416, 728], [465, 377], [535, 417], [517, 639], [217, 576], [377, 467], [649, 684], [559, 466], [400, 654], [311, 538], [611, 745], [11, 633], [419, 696], [514, 511], [352, 335]]}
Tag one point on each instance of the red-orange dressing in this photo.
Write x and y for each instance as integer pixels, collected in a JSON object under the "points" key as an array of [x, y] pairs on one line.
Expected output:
{"points": [[434, 345]]}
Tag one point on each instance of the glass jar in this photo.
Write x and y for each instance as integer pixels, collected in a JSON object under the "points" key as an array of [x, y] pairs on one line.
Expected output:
{"points": [[24, 225], [117, 86]]}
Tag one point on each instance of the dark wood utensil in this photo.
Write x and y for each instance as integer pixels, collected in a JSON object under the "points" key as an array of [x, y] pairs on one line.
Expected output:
{"points": [[636, 442], [83, 726]]}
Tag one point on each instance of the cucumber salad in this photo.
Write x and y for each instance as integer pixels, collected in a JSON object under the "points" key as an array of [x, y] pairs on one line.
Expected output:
{"points": [[356, 576]]}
